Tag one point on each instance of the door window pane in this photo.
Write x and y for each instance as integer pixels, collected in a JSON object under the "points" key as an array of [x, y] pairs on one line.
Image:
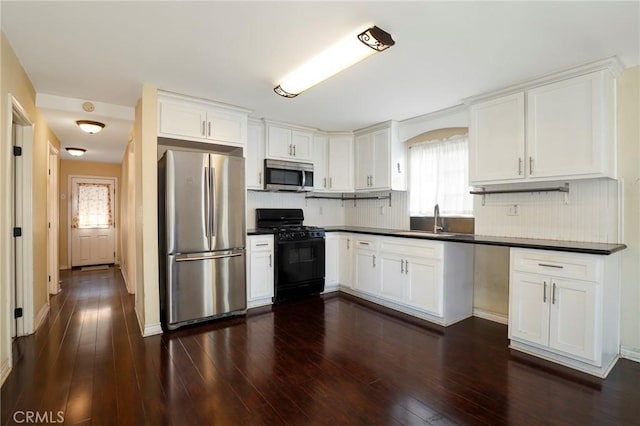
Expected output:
{"points": [[94, 206]]}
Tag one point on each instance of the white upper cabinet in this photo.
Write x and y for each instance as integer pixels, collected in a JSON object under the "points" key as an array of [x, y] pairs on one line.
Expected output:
{"points": [[570, 131], [380, 159], [288, 142], [340, 164], [254, 165], [320, 162], [333, 162], [496, 140], [562, 129], [181, 117]]}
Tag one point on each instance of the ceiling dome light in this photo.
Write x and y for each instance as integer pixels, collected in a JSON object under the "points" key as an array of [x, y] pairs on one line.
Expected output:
{"points": [[76, 152], [334, 59], [89, 126]]}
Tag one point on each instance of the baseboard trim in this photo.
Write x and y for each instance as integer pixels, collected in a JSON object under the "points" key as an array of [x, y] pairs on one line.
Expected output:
{"points": [[5, 370], [491, 316], [41, 316], [148, 330], [632, 354], [152, 330], [123, 272]]}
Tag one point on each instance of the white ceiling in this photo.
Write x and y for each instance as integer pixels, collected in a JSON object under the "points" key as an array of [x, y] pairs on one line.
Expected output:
{"points": [[236, 52]]}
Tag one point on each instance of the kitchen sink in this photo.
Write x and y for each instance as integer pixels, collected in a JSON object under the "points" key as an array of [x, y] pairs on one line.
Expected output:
{"points": [[426, 234]]}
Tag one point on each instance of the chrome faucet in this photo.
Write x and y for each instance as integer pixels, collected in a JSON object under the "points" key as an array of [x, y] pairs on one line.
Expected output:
{"points": [[436, 215]]}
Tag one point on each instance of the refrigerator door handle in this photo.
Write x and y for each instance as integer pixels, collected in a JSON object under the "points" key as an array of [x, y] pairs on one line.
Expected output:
{"points": [[186, 258], [212, 203], [207, 205]]}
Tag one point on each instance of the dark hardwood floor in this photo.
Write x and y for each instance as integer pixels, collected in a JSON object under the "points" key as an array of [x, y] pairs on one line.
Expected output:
{"points": [[327, 360]]}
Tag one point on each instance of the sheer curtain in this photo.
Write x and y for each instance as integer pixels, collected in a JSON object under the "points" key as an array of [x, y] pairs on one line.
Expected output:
{"points": [[439, 174], [94, 205]]}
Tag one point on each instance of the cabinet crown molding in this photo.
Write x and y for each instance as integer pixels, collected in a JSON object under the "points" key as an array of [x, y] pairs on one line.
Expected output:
{"points": [[289, 125], [163, 94], [384, 125], [613, 64]]}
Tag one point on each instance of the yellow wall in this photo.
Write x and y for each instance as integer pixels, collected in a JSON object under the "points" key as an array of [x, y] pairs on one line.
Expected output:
{"points": [[127, 219], [84, 168], [15, 82], [145, 145], [629, 173]]}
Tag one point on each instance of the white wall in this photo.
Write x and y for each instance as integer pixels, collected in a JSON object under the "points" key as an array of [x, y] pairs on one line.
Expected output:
{"points": [[377, 213], [316, 212], [591, 213]]}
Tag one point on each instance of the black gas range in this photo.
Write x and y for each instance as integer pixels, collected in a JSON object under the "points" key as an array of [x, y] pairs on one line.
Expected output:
{"points": [[299, 252]]}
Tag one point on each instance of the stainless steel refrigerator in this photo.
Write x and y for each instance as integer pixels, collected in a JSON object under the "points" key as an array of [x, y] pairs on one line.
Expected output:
{"points": [[202, 234]]}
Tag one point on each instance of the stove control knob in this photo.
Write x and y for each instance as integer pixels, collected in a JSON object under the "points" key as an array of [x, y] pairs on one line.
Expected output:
{"points": [[301, 234]]}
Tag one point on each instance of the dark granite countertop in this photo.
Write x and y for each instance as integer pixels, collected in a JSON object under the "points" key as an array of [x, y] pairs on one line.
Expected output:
{"points": [[567, 246], [260, 231]]}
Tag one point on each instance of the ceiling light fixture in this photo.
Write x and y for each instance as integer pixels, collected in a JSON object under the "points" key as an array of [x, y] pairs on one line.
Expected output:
{"points": [[334, 59], [76, 152], [89, 126]]}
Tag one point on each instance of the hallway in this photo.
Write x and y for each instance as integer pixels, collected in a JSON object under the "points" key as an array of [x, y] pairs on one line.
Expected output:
{"points": [[317, 361]]}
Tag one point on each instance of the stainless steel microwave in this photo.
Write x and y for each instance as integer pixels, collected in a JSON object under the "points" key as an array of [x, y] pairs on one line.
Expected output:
{"points": [[287, 176]]}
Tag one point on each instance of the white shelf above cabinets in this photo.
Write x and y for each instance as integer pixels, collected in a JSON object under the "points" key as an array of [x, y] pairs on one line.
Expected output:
{"points": [[380, 159], [285, 142], [182, 117], [562, 129]]}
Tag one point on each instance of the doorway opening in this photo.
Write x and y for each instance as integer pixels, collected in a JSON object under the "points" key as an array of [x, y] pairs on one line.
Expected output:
{"points": [[53, 227], [21, 263], [92, 230]]}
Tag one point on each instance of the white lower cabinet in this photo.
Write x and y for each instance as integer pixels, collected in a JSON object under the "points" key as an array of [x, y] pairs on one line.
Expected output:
{"points": [[424, 284], [331, 262], [260, 272], [366, 273], [429, 279], [565, 307]]}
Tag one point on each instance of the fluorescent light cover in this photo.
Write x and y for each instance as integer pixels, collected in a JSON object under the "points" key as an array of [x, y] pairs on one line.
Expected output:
{"points": [[89, 126], [76, 152], [331, 61]]}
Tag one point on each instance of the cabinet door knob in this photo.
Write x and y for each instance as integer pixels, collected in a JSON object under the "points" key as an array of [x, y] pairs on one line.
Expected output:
{"points": [[324, 182], [330, 182], [374, 260], [203, 126], [260, 178], [294, 150], [269, 261], [544, 292], [402, 266], [553, 294], [406, 266], [348, 243], [209, 128]]}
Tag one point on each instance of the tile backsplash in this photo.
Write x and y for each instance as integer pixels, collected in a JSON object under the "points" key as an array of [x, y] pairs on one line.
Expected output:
{"points": [[589, 214]]}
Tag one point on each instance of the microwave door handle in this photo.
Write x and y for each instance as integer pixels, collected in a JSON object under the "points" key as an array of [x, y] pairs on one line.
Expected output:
{"points": [[304, 179]]}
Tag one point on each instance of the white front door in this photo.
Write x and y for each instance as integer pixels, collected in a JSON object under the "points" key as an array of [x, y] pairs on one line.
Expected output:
{"points": [[92, 221]]}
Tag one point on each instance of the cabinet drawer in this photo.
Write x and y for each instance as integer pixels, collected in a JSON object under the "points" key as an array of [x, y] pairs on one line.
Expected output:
{"points": [[566, 265], [366, 243], [413, 247], [261, 243]]}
